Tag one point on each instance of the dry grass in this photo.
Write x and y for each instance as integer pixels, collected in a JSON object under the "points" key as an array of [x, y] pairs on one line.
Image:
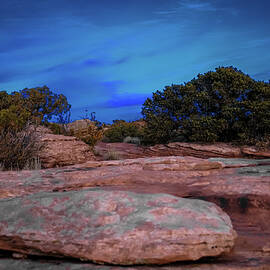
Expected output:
{"points": [[112, 155], [19, 149]]}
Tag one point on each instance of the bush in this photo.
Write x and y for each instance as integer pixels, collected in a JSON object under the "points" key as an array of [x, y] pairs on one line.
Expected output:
{"points": [[226, 105], [58, 129], [133, 140], [19, 148], [121, 129], [18, 142], [90, 134]]}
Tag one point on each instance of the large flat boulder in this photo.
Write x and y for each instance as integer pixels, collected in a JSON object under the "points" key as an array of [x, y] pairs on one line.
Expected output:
{"points": [[116, 227]]}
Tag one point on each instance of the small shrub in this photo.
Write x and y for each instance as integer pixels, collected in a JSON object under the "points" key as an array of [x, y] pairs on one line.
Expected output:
{"points": [[133, 140], [121, 129], [112, 155], [261, 143], [19, 149], [58, 129], [90, 134]]}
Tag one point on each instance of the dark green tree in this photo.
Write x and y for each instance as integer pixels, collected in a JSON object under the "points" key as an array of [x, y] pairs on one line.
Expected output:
{"points": [[20, 111], [37, 105], [222, 105], [43, 104]]}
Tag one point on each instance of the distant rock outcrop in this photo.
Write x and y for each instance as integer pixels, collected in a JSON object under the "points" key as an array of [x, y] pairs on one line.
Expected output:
{"points": [[79, 124], [59, 150]]}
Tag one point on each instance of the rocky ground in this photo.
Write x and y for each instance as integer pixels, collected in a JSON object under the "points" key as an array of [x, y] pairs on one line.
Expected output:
{"points": [[44, 222]]}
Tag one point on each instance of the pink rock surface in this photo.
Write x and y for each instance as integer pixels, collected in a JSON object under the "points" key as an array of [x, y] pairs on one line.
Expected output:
{"points": [[196, 150], [221, 150], [255, 153], [59, 150], [116, 227], [241, 187]]}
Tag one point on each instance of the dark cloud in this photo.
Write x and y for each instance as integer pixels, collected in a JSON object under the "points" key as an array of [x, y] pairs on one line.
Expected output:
{"points": [[94, 62], [97, 62], [122, 60]]}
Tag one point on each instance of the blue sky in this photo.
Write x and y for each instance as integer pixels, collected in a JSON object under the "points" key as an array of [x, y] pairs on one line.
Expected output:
{"points": [[108, 56]]}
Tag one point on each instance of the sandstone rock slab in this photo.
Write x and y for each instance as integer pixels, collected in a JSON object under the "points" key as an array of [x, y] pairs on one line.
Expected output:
{"points": [[195, 150], [59, 150], [205, 151], [116, 227], [255, 153], [241, 162]]}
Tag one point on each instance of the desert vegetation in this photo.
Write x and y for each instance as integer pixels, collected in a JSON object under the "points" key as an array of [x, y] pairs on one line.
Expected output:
{"points": [[90, 133], [19, 148], [20, 113], [224, 105], [120, 130]]}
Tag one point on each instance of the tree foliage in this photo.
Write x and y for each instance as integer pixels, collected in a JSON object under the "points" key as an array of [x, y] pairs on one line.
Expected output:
{"points": [[19, 112], [38, 105], [222, 105]]}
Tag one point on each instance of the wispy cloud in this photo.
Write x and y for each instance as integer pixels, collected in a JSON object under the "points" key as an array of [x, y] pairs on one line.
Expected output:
{"points": [[198, 5], [165, 12], [111, 56]]}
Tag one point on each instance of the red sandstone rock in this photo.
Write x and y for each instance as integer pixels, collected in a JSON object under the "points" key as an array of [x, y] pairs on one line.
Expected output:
{"points": [[194, 149], [59, 150], [255, 153], [126, 150], [80, 124], [221, 150], [115, 227], [242, 192], [123, 150]]}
